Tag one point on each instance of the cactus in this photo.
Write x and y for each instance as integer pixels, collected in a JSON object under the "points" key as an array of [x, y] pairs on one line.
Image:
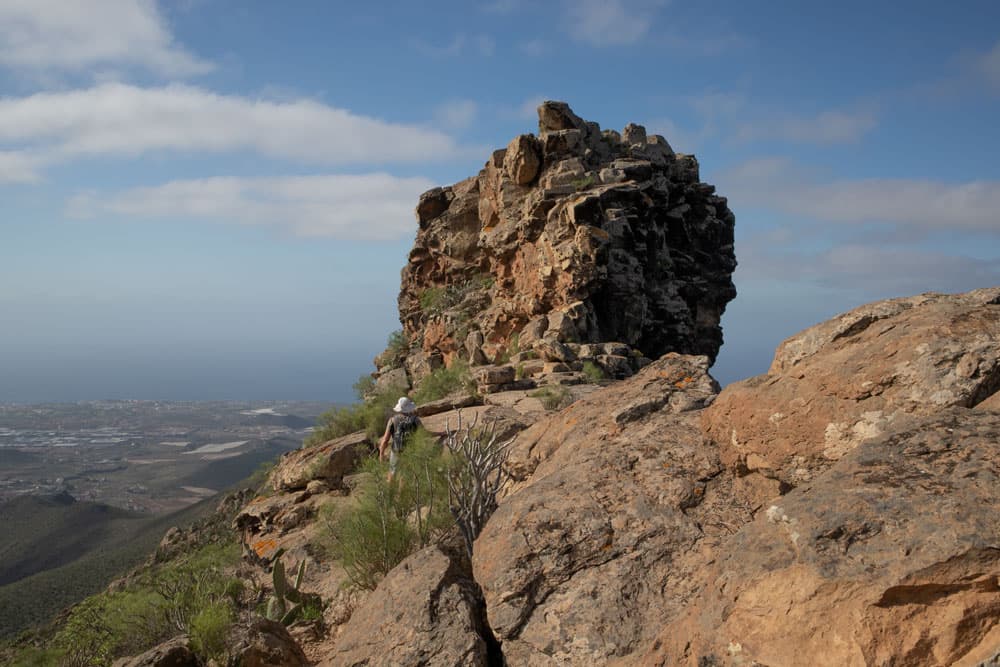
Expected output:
{"points": [[278, 608]]}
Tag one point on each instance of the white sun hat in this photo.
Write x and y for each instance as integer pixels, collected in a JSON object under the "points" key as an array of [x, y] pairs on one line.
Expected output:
{"points": [[405, 405]]}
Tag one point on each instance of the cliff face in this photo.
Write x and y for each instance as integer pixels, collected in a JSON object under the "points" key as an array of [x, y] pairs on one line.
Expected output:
{"points": [[574, 235]]}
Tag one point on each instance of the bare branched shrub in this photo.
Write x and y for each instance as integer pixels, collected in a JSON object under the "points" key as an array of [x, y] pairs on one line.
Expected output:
{"points": [[477, 475]]}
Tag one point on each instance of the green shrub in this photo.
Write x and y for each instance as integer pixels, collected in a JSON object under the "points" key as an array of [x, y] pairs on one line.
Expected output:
{"points": [[208, 629], [157, 605], [369, 416], [444, 381], [553, 397], [593, 372], [364, 386], [33, 656], [391, 518]]}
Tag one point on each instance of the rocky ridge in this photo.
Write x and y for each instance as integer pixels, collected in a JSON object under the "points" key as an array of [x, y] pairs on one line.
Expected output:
{"points": [[840, 509], [571, 245]]}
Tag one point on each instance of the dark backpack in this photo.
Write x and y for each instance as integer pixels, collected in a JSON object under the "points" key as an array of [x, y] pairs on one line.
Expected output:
{"points": [[402, 426]]}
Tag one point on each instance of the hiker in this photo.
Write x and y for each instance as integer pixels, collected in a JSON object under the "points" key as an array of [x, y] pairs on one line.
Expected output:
{"points": [[401, 424]]}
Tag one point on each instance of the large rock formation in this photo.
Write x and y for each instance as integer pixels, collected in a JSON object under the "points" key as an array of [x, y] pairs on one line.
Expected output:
{"points": [[576, 236], [631, 538]]}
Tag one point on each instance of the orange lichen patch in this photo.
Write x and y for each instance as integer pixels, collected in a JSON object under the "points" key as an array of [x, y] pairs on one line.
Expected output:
{"points": [[680, 384], [265, 547]]}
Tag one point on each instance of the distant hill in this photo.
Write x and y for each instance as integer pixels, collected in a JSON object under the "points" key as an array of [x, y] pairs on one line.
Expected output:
{"points": [[57, 550], [42, 533]]}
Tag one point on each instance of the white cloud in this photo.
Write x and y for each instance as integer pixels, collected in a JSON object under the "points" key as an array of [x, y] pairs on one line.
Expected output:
{"points": [[123, 120], [989, 65], [826, 128], [16, 167], [40, 35], [374, 206], [457, 114], [881, 270], [610, 22], [780, 185]]}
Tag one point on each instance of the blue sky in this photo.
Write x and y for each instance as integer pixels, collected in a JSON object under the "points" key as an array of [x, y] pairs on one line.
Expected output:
{"points": [[213, 199]]}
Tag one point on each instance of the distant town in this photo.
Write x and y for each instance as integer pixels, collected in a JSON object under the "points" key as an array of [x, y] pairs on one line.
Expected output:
{"points": [[146, 456]]}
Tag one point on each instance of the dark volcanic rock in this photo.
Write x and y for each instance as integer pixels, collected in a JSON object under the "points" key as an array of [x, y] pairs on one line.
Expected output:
{"points": [[586, 236]]}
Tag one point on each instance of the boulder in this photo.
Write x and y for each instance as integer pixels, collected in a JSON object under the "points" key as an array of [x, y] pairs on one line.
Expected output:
{"points": [[522, 160], [265, 643], [848, 380], [173, 653], [427, 611], [328, 461], [890, 557]]}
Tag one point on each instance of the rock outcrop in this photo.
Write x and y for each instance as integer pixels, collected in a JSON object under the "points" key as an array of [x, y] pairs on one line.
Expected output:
{"points": [[633, 535], [842, 382], [427, 611], [571, 236], [891, 557]]}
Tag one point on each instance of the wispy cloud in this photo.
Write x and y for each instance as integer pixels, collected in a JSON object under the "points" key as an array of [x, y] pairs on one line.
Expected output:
{"points": [[17, 167], [368, 206], [988, 65], [778, 184], [610, 22], [501, 6], [457, 114], [122, 120], [462, 43], [533, 47], [825, 128], [40, 35], [877, 269]]}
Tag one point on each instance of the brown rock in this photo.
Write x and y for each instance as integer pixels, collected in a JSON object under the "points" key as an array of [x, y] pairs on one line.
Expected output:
{"points": [[562, 253], [522, 160], [488, 375], [550, 349], [329, 461], [575, 560], [890, 557], [174, 653], [264, 643], [427, 611], [842, 382]]}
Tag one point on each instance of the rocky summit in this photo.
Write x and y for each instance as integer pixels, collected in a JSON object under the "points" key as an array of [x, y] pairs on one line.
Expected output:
{"points": [[571, 236]]}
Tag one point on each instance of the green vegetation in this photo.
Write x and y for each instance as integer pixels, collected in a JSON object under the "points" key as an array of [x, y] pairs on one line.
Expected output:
{"points": [[288, 603], [193, 595], [553, 397], [369, 416], [593, 372], [396, 347], [444, 381], [436, 300], [87, 545], [392, 517], [208, 629], [583, 183]]}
